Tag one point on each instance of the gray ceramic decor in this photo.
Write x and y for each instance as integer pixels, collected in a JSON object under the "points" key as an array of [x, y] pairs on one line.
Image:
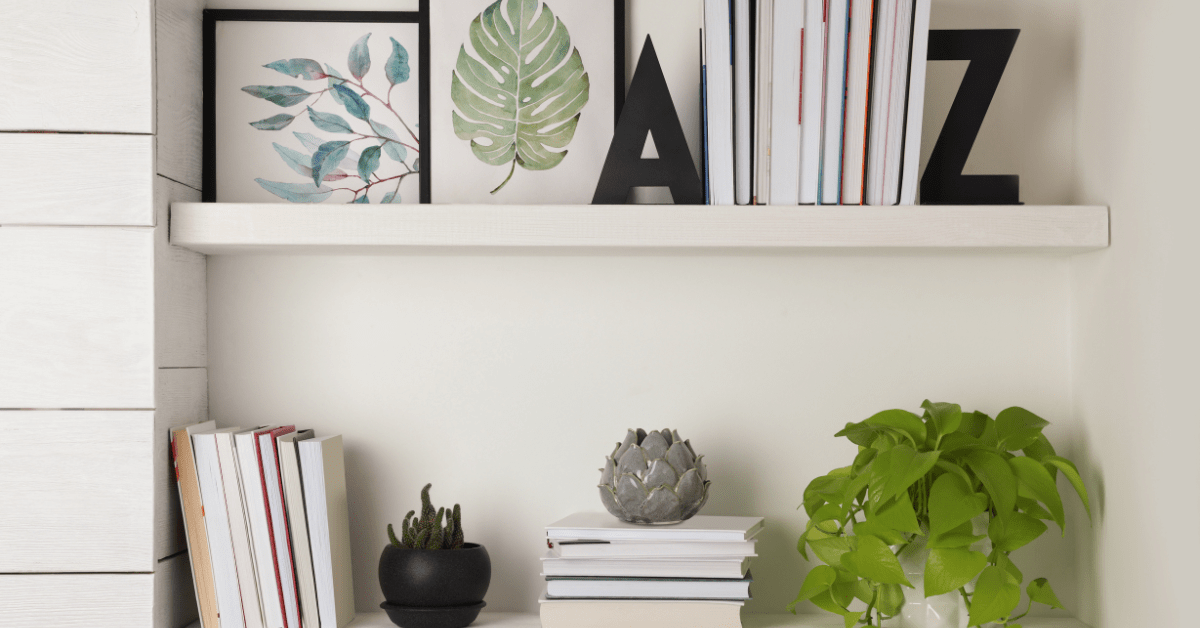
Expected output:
{"points": [[654, 478]]}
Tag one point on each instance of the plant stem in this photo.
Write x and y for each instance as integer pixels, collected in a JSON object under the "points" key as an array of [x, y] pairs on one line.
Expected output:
{"points": [[510, 176], [385, 104]]}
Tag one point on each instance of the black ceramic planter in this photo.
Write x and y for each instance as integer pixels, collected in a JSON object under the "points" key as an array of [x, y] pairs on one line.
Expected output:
{"points": [[415, 579]]}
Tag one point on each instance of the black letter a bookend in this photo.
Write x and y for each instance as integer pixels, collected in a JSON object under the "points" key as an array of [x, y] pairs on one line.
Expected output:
{"points": [[649, 110]]}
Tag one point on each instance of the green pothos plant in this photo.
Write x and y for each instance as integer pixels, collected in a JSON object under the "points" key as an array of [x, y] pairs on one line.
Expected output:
{"points": [[926, 478]]}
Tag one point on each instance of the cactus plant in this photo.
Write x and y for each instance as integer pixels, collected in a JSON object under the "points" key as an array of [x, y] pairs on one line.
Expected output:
{"points": [[426, 531]]}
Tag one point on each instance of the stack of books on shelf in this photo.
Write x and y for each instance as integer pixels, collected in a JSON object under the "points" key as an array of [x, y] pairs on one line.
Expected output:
{"points": [[813, 101], [602, 572], [267, 525]]}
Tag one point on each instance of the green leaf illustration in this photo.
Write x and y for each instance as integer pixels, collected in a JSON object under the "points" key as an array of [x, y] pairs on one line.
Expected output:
{"points": [[282, 95], [391, 197], [353, 102], [329, 122], [306, 69], [522, 102], [312, 143], [335, 79], [396, 67], [274, 123], [296, 192], [299, 162], [362, 200], [360, 57], [394, 148], [327, 158], [368, 163]]}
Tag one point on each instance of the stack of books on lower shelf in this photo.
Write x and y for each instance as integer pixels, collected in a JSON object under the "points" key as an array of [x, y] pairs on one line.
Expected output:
{"points": [[602, 572], [267, 525]]}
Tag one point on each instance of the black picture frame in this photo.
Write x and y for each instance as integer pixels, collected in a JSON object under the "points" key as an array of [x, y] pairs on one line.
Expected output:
{"points": [[209, 76], [619, 77]]}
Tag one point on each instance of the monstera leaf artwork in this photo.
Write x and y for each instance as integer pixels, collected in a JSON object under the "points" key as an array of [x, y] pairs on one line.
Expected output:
{"points": [[520, 96], [363, 158]]}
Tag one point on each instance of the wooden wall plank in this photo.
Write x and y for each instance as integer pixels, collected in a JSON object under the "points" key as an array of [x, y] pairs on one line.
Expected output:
{"points": [[73, 179], [179, 60], [174, 594], [77, 600], [68, 65], [182, 400], [180, 288], [76, 317], [77, 492]]}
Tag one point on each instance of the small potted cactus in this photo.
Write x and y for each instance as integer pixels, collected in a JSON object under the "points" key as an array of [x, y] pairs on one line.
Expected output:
{"points": [[429, 576]]}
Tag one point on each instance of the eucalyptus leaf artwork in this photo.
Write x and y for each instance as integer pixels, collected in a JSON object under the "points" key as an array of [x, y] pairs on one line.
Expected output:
{"points": [[349, 129], [965, 488], [519, 98]]}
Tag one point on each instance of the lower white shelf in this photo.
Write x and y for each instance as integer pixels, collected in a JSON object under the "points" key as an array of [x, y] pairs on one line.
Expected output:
{"points": [[379, 619], [230, 228]]}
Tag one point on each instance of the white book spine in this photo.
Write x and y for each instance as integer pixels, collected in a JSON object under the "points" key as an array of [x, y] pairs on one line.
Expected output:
{"points": [[812, 100], [293, 497], [216, 522], [719, 57], [893, 159], [881, 98], [858, 86], [837, 30], [279, 530], [323, 467], [741, 109], [762, 116], [787, 52], [243, 553], [260, 538], [916, 104]]}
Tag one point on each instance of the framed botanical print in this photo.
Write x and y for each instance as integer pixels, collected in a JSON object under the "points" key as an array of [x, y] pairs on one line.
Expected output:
{"points": [[314, 107], [524, 97]]}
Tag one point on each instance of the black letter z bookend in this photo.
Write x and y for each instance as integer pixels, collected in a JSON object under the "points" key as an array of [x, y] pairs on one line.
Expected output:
{"points": [[943, 182], [649, 110]]}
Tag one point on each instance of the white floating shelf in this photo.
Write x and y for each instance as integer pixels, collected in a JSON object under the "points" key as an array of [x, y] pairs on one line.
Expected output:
{"points": [[225, 228]]}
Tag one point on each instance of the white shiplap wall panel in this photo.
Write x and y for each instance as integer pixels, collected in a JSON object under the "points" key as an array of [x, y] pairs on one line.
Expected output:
{"points": [[68, 65], [77, 493], [179, 61], [182, 400], [76, 179], [180, 290], [76, 317]]}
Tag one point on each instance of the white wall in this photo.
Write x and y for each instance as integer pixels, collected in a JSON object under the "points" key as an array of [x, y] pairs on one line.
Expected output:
{"points": [[1136, 307], [505, 378]]}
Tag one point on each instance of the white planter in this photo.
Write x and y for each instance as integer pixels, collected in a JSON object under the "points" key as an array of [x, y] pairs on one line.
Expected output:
{"points": [[940, 611]]}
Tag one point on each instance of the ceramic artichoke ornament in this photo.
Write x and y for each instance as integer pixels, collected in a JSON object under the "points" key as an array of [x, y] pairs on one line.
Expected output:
{"points": [[653, 478]]}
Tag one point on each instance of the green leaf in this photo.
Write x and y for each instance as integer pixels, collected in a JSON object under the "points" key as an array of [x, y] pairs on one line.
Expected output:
{"points": [[895, 470], [394, 197], [995, 597], [306, 69], [327, 158], [1035, 482], [843, 588], [961, 536], [997, 478], [368, 163], [353, 102], [989, 438], [851, 618], [816, 582], [898, 515], [890, 600], [873, 560], [522, 103], [948, 569], [360, 57], [329, 122], [881, 532], [396, 67], [947, 417], [1039, 449], [394, 148], [820, 490], [1004, 562], [274, 123], [1032, 508], [952, 503], [957, 442], [362, 200], [824, 601], [1018, 428], [1068, 469], [830, 550], [296, 192], [903, 421], [1039, 591], [1013, 530], [973, 424], [282, 95], [859, 433], [301, 163], [950, 467], [863, 458]]}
